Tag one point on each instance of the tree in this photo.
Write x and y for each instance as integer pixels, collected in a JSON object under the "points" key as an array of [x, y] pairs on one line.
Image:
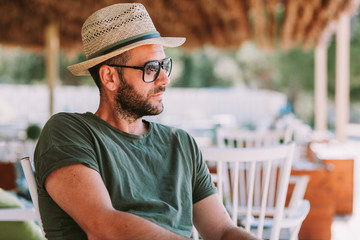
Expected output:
{"points": [[198, 69], [23, 67]]}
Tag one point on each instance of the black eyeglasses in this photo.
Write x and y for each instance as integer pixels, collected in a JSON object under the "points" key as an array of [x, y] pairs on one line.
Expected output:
{"points": [[151, 69]]}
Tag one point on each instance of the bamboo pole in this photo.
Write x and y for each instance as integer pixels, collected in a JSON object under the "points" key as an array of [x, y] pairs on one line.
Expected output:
{"points": [[342, 77], [321, 87], [52, 43]]}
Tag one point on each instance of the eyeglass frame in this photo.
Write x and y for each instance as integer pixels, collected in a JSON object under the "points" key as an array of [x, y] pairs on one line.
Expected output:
{"points": [[160, 62]]}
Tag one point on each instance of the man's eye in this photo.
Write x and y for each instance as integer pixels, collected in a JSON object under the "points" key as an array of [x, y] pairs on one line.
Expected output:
{"points": [[150, 68]]}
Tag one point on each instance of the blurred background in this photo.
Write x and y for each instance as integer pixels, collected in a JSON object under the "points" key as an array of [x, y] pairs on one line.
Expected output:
{"points": [[247, 64]]}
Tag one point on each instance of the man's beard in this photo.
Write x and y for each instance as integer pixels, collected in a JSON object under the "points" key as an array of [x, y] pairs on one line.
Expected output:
{"points": [[131, 105]]}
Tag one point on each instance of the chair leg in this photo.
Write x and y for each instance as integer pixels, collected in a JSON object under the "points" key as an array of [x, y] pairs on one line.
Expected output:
{"points": [[195, 234]]}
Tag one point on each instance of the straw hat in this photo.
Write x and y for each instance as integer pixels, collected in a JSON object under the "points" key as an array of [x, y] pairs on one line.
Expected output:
{"points": [[118, 28]]}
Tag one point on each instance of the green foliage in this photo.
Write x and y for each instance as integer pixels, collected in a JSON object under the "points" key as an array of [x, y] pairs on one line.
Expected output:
{"points": [[23, 67], [33, 131], [66, 77], [197, 69], [295, 73], [331, 68], [18, 66], [256, 67], [295, 68]]}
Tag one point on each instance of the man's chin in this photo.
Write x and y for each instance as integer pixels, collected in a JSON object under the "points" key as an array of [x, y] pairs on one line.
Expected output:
{"points": [[156, 111]]}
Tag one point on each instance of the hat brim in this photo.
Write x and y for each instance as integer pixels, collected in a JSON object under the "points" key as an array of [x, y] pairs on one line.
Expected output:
{"points": [[81, 69]]}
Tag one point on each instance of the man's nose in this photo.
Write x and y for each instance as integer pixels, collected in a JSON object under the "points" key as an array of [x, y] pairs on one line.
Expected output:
{"points": [[162, 79]]}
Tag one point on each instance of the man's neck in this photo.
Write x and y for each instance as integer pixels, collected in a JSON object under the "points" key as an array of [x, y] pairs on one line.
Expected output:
{"points": [[115, 119]]}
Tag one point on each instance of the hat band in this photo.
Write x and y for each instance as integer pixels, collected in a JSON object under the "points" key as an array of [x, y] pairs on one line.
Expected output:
{"points": [[124, 43]]}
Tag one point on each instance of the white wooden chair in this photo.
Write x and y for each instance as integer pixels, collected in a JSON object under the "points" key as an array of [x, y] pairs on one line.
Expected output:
{"points": [[242, 167], [18, 214], [30, 179], [237, 138]]}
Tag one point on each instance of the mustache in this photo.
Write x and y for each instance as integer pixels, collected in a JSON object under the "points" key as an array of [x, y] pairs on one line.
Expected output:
{"points": [[159, 89]]}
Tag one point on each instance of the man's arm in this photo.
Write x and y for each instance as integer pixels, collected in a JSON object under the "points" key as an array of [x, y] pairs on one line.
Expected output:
{"points": [[213, 222], [81, 193]]}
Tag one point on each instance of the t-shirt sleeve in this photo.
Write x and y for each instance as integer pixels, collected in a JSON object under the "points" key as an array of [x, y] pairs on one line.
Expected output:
{"points": [[202, 185], [64, 141]]}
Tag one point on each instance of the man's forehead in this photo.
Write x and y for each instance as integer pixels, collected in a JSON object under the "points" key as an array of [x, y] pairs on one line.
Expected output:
{"points": [[147, 47], [146, 53]]}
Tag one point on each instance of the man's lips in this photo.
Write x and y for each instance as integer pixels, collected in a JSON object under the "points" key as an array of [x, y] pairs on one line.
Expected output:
{"points": [[158, 94]]}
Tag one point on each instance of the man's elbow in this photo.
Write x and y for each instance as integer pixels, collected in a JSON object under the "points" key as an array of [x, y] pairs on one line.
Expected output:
{"points": [[100, 227], [95, 230]]}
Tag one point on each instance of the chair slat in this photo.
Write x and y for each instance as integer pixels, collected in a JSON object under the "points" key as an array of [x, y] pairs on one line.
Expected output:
{"points": [[235, 138], [235, 199], [251, 172], [266, 184], [30, 179], [251, 182]]}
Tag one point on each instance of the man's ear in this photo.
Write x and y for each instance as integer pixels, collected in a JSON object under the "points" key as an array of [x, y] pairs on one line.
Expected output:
{"points": [[109, 77]]}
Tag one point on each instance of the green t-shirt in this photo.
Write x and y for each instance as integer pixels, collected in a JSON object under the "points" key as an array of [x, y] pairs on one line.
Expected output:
{"points": [[157, 176]]}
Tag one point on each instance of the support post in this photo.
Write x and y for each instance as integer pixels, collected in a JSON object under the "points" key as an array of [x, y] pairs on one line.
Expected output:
{"points": [[342, 102], [320, 87], [52, 45]]}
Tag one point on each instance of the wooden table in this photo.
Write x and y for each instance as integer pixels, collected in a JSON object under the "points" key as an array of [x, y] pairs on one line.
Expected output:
{"points": [[330, 192], [317, 225], [342, 176]]}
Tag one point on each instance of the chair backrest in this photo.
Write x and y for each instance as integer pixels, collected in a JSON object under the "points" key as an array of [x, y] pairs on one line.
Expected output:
{"points": [[30, 179], [242, 168], [237, 138]]}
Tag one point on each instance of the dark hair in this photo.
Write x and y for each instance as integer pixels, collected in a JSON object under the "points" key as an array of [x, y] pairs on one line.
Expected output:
{"points": [[117, 60]]}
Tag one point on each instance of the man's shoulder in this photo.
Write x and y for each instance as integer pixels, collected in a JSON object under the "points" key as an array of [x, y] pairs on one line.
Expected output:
{"points": [[65, 122], [64, 129], [178, 133], [65, 118], [168, 128]]}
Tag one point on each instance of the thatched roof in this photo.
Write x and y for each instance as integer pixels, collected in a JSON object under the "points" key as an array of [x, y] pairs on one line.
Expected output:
{"points": [[222, 23]]}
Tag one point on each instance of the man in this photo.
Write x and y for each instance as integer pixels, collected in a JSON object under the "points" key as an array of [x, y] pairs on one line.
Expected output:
{"points": [[112, 175]]}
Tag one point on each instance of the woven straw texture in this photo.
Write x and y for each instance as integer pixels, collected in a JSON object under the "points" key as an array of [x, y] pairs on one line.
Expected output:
{"points": [[114, 24], [102, 28]]}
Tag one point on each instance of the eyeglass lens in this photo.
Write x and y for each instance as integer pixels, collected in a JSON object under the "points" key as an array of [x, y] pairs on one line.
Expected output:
{"points": [[152, 69]]}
